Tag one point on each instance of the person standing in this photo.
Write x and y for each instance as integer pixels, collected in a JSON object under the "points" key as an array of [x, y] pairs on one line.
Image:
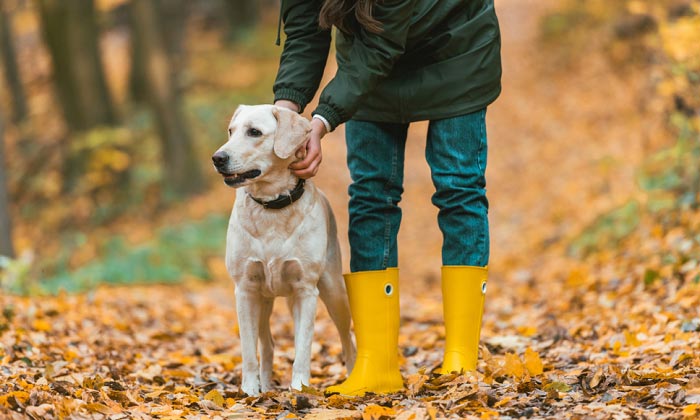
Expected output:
{"points": [[401, 61]]}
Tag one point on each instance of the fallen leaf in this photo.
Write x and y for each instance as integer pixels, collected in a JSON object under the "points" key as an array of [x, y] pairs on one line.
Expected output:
{"points": [[513, 366], [377, 412], [533, 363], [215, 396]]}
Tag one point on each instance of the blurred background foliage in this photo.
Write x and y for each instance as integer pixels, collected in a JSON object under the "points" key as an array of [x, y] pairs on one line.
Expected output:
{"points": [[663, 39], [109, 112], [110, 109]]}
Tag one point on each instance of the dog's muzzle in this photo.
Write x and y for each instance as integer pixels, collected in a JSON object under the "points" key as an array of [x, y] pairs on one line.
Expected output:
{"points": [[220, 160], [235, 179]]}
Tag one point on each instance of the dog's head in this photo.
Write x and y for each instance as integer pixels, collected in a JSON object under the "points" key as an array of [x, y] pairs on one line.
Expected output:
{"points": [[261, 138]]}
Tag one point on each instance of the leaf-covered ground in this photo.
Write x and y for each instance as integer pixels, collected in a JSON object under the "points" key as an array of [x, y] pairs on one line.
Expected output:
{"points": [[569, 331]]}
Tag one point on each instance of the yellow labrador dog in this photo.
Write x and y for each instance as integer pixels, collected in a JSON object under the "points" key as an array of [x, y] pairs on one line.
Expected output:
{"points": [[282, 241]]}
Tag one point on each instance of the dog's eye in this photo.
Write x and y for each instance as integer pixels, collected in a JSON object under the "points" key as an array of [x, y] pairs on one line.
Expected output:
{"points": [[230, 132], [253, 132]]}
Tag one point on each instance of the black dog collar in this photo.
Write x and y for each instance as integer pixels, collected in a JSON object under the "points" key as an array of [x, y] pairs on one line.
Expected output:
{"points": [[283, 200]]}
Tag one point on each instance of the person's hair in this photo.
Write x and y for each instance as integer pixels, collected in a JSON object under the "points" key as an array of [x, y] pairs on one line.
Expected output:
{"points": [[336, 12]]}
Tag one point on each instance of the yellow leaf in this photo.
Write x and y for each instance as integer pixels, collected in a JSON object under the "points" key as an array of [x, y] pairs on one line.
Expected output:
{"points": [[504, 401], [631, 339], [527, 331], [155, 394], [577, 277], [70, 355], [533, 363], [215, 397], [41, 325], [20, 396], [557, 386], [97, 408], [177, 373], [690, 410], [226, 360], [336, 401], [376, 412], [311, 390], [489, 415], [514, 367]]}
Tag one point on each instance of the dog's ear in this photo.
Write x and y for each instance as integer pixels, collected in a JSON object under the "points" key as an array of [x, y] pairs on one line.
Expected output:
{"points": [[292, 131], [238, 111]]}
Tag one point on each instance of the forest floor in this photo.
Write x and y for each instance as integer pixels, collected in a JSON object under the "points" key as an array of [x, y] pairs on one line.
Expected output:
{"points": [[564, 336]]}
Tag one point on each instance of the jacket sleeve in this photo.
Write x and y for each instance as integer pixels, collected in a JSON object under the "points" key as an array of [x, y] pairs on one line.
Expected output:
{"points": [[370, 59], [305, 52]]}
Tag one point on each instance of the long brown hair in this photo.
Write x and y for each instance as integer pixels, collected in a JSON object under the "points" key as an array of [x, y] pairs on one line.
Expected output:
{"points": [[336, 12]]}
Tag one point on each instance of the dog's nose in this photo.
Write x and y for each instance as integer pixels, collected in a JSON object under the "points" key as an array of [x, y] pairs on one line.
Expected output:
{"points": [[220, 159]]}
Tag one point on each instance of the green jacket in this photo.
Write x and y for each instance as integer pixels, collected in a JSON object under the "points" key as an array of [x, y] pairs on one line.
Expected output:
{"points": [[433, 59]]}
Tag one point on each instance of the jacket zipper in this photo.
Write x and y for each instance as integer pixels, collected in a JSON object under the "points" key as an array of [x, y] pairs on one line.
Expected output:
{"points": [[279, 26]]}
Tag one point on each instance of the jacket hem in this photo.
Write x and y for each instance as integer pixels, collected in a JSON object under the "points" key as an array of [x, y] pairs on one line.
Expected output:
{"points": [[447, 111], [292, 95], [326, 111]]}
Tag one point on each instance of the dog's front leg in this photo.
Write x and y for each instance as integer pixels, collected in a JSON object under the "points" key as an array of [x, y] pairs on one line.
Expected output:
{"points": [[248, 307], [267, 345], [304, 312]]}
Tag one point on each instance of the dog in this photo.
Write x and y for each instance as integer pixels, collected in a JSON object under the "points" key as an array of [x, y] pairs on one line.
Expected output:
{"points": [[282, 241]]}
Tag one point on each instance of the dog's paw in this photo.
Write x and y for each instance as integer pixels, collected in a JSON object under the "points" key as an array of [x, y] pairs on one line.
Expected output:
{"points": [[298, 381], [251, 386], [266, 386]]}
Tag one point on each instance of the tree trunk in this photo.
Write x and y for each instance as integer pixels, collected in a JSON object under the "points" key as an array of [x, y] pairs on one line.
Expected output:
{"points": [[137, 71], [6, 246], [180, 168], [71, 34], [172, 21], [9, 59]]}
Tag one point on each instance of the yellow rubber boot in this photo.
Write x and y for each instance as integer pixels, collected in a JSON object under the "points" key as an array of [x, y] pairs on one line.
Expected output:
{"points": [[374, 303], [463, 291]]}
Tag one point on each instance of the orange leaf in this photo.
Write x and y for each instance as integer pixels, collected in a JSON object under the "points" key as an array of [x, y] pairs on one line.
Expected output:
{"points": [[97, 408], [514, 367], [215, 397], [376, 412], [533, 363], [690, 410], [41, 325]]}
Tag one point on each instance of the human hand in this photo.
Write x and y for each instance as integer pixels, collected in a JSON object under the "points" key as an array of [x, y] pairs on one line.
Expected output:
{"points": [[308, 166], [287, 104]]}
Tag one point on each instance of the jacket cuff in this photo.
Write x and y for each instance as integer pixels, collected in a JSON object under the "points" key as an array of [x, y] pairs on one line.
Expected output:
{"points": [[331, 115], [292, 95]]}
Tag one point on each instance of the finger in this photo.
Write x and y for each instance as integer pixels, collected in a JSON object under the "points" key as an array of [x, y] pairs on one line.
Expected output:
{"points": [[301, 151], [306, 174], [306, 162], [309, 171]]}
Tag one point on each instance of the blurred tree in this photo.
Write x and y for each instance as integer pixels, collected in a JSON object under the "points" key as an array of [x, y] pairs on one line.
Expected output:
{"points": [[172, 17], [6, 247], [180, 165], [9, 59], [137, 72], [243, 15], [72, 37]]}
